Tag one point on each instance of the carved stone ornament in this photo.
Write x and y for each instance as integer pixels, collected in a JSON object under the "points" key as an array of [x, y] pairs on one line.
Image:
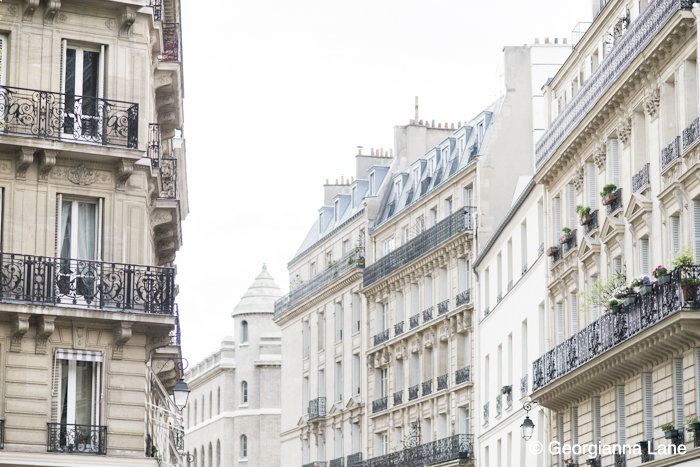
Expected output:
{"points": [[577, 180], [18, 328], [52, 8], [127, 16], [29, 7], [44, 328], [79, 337], [651, 104], [624, 130], [122, 333], [25, 157], [124, 171], [599, 157], [47, 159], [81, 175]]}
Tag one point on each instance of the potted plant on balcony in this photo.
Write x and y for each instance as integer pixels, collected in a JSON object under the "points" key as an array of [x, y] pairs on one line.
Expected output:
{"points": [[625, 294], [584, 214], [643, 445], [692, 423], [689, 285], [552, 250], [567, 235], [608, 193], [570, 462], [360, 263], [661, 274], [613, 306], [642, 284], [670, 431], [506, 389]]}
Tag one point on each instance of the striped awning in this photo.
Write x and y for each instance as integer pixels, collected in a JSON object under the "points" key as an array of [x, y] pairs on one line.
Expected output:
{"points": [[80, 355]]}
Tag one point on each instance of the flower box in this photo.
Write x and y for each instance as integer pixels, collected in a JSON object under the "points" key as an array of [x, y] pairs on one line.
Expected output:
{"points": [[645, 289], [565, 238], [630, 299], [552, 250], [586, 219], [609, 198], [670, 434]]}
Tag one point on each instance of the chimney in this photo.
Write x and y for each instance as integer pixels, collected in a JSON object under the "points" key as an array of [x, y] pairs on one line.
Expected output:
{"points": [[432, 124], [342, 179], [445, 125], [420, 122], [416, 108], [336, 181], [459, 124], [410, 122], [326, 181], [391, 151], [546, 40], [556, 40], [439, 125], [359, 150], [352, 179], [347, 182], [566, 41], [537, 40], [452, 126]]}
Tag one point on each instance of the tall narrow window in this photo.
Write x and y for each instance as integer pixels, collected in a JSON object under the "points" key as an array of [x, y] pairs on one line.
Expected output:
{"points": [[448, 207], [218, 401], [644, 256], [305, 339], [617, 265], [356, 369], [244, 447], [615, 162], [678, 404], [523, 246], [356, 311], [560, 436], [338, 443], [540, 222], [218, 453], [621, 416], [83, 85], [338, 322], [80, 240], [468, 196], [557, 218], [509, 252], [560, 323], [336, 210], [590, 185], [574, 430], [571, 198], [675, 223], [648, 405], [244, 392], [595, 310], [339, 381], [354, 196], [573, 300], [305, 395], [371, 184], [211, 456], [244, 331], [321, 223], [356, 445], [397, 189], [211, 404]]}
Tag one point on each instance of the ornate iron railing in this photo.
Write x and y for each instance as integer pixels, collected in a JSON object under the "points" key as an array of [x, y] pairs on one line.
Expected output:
{"points": [[442, 382], [509, 398], [155, 145], [354, 459], [540, 250], [499, 404], [499, 297], [168, 179], [612, 329], [316, 464], [436, 452], [66, 117], [337, 270], [616, 203], [398, 398], [696, 439], [427, 387], [648, 450], [462, 298], [339, 462], [171, 42], [415, 321], [381, 337], [487, 311], [2, 434], [443, 307], [380, 404], [175, 334], [523, 386], [76, 439], [641, 179], [447, 228], [620, 460], [157, 6], [317, 408], [679, 440], [592, 224], [428, 314], [638, 35], [413, 392], [510, 286], [486, 412], [691, 134], [86, 284], [398, 329], [570, 244], [524, 270], [557, 254], [462, 375], [670, 153]]}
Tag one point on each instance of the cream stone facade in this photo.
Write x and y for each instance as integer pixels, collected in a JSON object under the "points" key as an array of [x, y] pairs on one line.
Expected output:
{"points": [[234, 415], [93, 190], [623, 110]]}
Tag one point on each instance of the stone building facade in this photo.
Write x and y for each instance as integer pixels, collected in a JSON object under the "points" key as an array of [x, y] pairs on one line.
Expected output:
{"points": [[92, 192], [233, 418]]}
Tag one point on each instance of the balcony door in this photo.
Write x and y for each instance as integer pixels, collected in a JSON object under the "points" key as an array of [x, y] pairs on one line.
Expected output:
{"points": [[82, 84]]}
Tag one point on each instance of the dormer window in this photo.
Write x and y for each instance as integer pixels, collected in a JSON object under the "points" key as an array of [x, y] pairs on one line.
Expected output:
{"points": [[320, 223], [371, 184], [354, 197], [416, 178], [480, 132], [397, 188], [336, 209], [431, 166]]}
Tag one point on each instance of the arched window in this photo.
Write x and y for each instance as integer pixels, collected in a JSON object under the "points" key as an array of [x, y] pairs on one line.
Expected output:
{"points": [[195, 413], [211, 456], [244, 329], [211, 405], [244, 392], [218, 453], [195, 458], [218, 401], [203, 412], [244, 447], [201, 464]]}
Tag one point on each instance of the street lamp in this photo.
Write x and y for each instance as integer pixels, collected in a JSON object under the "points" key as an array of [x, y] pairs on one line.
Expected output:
{"points": [[527, 428], [181, 392]]}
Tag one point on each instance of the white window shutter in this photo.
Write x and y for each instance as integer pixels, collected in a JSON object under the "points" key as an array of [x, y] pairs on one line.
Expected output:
{"points": [[572, 206], [560, 323], [3, 60], [678, 405], [621, 421], [589, 67], [64, 49], [574, 313], [592, 195], [595, 311], [555, 108], [696, 229], [648, 401], [617, 265], [574, 430], [675, 234], [560, 436], [557, 218], [596, 420], [644, 256], [615, 162]]}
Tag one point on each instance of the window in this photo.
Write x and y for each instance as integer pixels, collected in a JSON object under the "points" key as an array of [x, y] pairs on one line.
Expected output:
{"points": [[356, 368], [383, 383], [560, 436], [557, 218], [82, 76], [218, 401], [371, 184], [79, 239], [195, 413], [590, 185], [218, 453], [560, 323], [312, 269], [416, 179], [339, 381], [356, 311], [468, 196], [305, 395], [244, 447], [675, 223], [615, 162], [617, 265], [338, 443], [305, 339], [420, 224], [194, 457], [336, 210], [431, 166], [79, 381], [389, 245], [574, 430], [354, 196], [571, 195], [433, 217], [329, 259], [696, 229], [397, 189], [678, 404], [211, 456], [595, 312], [244, 392], [201, 449], [573, 300], [346, 247], [383, 315], [244, 332], [189, 420], [321, 327], [384, 444], [621, 416], [644, 256], [480, 132], [648, 405], [356, 445], [523, 245], [211, 404], [448, 207], [321, 224], [338, 322], [3, 59], [407, 235]]}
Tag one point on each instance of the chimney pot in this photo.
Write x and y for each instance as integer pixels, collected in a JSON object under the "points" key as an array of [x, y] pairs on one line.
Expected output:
{"points": [[352, 179], [537, 40], [546, 40], [556, 40], [432, 123], [411, 122], [326, 181], [347, 182], [566, 41], [439, 125], [459, 124], [391, 151], [420, 122], [452, 126], [445, 124]]}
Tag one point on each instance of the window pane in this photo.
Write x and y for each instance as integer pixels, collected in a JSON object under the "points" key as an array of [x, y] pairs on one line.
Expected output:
{"points": [[86, 232], [64, 391], [70, 74], [66, 225], [83, 393], [91, 63]]}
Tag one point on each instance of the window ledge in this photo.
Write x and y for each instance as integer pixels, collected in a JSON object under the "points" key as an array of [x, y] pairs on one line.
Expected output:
{"points": [[243, 406], [245, 344]]}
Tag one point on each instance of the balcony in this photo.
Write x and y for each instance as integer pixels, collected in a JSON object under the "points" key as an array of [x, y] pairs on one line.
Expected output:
{"points": [[620, 460], [458, 447], [628, 47], [616, 204], [442, 382], [641, 179], [592, 224], [540, 250], [380, 404], [462, 375], [381, 337], [354, 459], [398, 398], [455, 224], [398, 329], [339, 462], [97, 285], [175, 334], [415, 321], [487, 311], [62, 117], [670, 153], [443, 307], [168, 179], [316, 464], [499, 297], [154, 151], [338, 269], [76, 439], [523, 387], [570, 244], [648, 450], [427, 314], [499, 404], [427, 387], [463, 298], [651, 314], [556, 255], [171, 43], [413, 392], [317, 408], [691, 134], [510, 286], [486, 412], [524, 270]]}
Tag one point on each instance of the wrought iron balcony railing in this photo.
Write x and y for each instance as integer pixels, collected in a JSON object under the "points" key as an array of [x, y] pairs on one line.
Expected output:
{"points": [[462, 298], [462, 375], [679, 439], [2, 434], [447, 228], [499, 404], [339, 462], [457, 447], [157, 6], [413, 392], [76, 439], [592, 224], [670, 153], [510, 286], [487, 311], [380, 404], [616, 204], [337, 270], [648, 450], [571, 244], [317, 408], [641, 179], [612, 329], [66, 117], [523, 386], [155, 145], [443, 307], [540, 250], [486, 412], [557, 254], [427, 387], [316, 464], [398, 329], [381, 337], [354, 459], [168, 179], [628, 47], [398, 398], [620, 460], [175, 334], [509, 398], [86, 284], [428, 314], [691, 134], [524, 270], [171, 43], [415, 321], [442, 382], [499, 297]]}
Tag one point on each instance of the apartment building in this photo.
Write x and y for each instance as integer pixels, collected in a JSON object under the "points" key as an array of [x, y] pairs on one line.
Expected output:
{"points": [[92, 194], [622, 141], [233, 418]]}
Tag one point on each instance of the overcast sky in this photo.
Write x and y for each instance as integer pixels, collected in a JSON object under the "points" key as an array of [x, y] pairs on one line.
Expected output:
{"points": [[279, 94]]}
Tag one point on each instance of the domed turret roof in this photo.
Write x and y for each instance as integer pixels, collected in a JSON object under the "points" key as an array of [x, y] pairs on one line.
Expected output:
{"points": [[260, 297]]}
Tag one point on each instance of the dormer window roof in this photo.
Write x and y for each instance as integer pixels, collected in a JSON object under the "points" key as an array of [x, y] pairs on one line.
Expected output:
{"points": [[371, 183]]}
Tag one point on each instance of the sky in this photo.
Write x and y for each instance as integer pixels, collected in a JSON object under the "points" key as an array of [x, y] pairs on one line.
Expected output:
{"points": [[279, 94]]}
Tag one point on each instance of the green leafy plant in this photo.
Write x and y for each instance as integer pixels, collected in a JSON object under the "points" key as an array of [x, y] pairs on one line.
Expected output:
{"points": [[601, 293], [685, 257], [692, 418], [659, 271], [690, 281], [607, 189], [612, 303], [581, 211], [668, 427], [566, 230]]}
